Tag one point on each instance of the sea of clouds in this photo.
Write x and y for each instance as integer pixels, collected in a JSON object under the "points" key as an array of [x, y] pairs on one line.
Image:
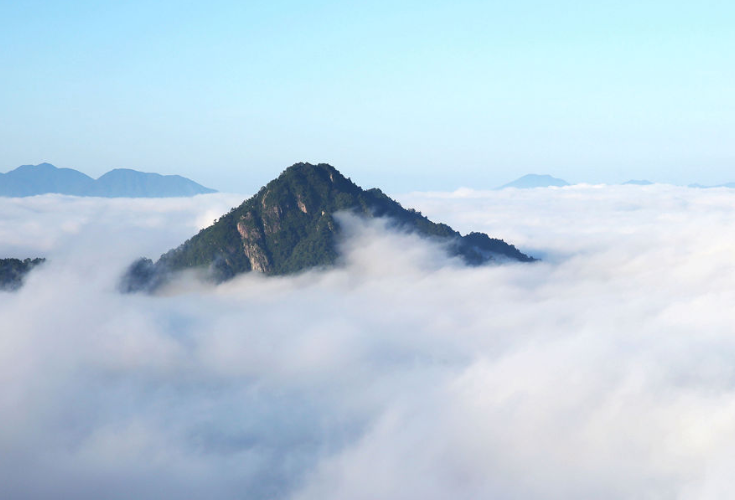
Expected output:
{"points": [[605, 371]]}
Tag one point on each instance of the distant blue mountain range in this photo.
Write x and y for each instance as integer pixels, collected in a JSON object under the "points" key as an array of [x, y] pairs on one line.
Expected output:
{"points": [[31, 180], [531, 181], [730, 185]]}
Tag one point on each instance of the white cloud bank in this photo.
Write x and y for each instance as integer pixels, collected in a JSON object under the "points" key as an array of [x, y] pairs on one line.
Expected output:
{"points": [[606, 371]]}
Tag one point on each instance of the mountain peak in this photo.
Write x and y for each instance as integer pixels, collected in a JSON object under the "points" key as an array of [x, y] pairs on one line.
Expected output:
{"points": [[290, 226], [40, 167], [306, 167], [530, 181], [313, 175], [122, 171], [637, 182]]}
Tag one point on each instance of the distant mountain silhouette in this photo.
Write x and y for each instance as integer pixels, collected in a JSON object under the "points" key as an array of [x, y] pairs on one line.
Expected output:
{"points": [[635, 182], [133, 184], [31, 180], [535, 181]]}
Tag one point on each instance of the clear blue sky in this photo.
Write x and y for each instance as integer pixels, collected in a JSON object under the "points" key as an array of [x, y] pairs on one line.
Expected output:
{"points": [[403, 95]]}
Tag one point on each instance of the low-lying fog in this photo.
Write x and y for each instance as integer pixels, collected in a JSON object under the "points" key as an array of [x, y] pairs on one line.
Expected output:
{"points": [[607, 371]]}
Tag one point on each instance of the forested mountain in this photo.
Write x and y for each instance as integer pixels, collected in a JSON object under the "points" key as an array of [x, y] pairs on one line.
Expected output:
{"points": [[290, 226], [13, 271]]}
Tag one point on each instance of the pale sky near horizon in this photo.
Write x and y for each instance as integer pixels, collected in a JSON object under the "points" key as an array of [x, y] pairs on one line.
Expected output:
{"points": [[415, 95]]}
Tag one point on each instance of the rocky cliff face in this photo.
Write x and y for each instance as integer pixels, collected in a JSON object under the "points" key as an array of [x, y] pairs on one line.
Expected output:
{"points": [[253, 241], [289, 226]]}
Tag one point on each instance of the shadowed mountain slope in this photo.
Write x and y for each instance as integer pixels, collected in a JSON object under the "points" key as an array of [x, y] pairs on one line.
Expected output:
{"points": [[290, 226]]}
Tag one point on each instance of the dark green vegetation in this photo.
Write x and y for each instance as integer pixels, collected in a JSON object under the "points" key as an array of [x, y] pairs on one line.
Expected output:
{"points": [[31, 180], [290, 226], [12, 272]]}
